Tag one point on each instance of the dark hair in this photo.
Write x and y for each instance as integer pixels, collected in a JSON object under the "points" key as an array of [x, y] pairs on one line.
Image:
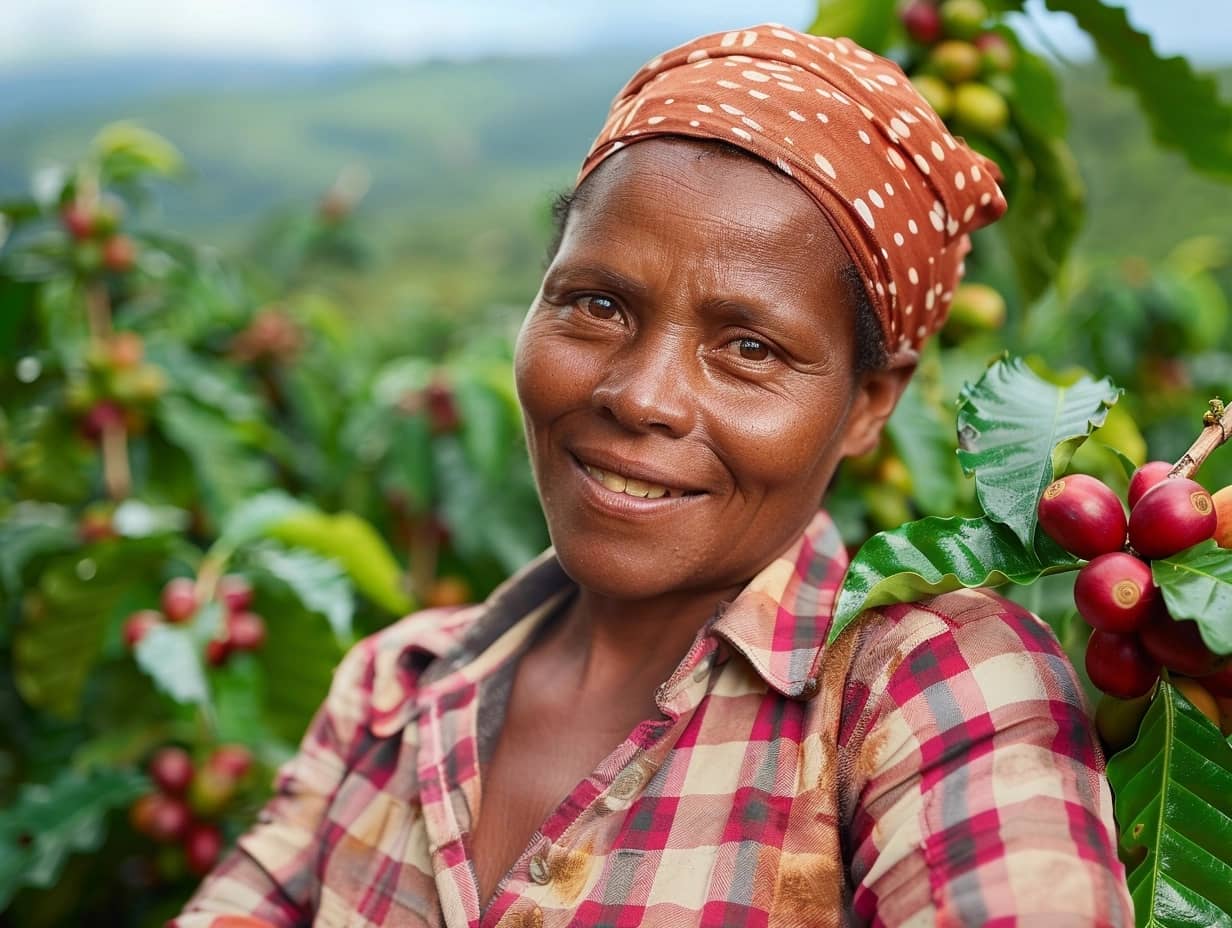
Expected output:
{"points": [[871, 352]]}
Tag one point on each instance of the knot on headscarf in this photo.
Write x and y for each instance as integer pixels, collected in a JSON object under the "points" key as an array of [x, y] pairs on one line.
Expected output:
{"points": [[848, 126]]}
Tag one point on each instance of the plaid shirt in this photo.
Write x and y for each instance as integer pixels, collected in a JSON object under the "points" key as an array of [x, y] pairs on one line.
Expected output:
{"points": [[935, 765]]}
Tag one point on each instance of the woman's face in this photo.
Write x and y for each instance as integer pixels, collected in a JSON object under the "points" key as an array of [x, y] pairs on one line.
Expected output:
{"points": [[686, 372]]}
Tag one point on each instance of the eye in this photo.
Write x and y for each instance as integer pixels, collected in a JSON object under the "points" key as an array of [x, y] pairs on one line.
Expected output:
{"points": [[752, 349], [600, 307]]}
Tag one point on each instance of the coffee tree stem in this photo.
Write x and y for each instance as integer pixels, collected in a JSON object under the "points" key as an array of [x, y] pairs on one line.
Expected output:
{"points": [[1218, 430]]}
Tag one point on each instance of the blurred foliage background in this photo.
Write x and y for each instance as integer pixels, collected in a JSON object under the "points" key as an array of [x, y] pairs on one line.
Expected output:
{"points": [[255, 397]]}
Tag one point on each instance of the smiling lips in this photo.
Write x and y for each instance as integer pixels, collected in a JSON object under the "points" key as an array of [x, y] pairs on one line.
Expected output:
{"points": [[632, 486]]}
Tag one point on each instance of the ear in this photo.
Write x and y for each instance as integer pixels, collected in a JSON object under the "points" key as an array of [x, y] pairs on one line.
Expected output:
{"points": [[877, 394]]}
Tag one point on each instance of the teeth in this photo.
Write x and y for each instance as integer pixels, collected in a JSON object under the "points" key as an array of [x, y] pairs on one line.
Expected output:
{"points": [[619, 484]]}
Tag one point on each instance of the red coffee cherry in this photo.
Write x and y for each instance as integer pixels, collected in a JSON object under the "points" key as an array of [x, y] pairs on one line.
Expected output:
{"points": [[1119, 666], [245, 631], [1115, 592], [232, 761], [169, 818], [202, 845], [235, 592], [1219, 683], [217, 650], [1145, 477], [1173, 515], [1177, 645], [179, 599], [922, 22], [138, 624], [171, 768], [1083, 516]]}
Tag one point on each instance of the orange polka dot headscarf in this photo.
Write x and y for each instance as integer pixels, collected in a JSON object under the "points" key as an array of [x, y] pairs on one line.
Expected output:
{"points": [[848, 127]]}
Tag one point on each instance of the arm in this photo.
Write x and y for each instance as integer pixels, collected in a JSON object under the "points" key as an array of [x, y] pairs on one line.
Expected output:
{"points": [[269, 879], [985, 801]]}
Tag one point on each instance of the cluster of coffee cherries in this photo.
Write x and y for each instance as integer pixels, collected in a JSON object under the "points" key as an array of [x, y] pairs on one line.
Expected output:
{"points": [[187, 798], [116, 387], [1133, 635], [242, 629], [962, 62], [94, 227]]}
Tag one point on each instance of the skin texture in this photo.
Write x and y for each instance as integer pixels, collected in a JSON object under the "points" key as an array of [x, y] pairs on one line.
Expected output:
{"points": [[694, 328]]}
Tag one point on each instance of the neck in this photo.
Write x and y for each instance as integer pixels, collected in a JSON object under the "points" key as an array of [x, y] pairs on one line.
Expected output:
{"points": [[620, 643]]}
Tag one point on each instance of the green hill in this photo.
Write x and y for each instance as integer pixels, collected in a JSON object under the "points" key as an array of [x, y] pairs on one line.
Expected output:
{"points": [[464, 158]]}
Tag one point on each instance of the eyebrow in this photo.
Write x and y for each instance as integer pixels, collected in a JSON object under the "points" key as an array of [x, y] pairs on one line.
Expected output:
{"points": [[605, 275], [724, 307]]}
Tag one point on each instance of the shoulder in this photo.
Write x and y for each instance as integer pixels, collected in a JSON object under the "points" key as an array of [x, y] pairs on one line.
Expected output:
{"points": [[376, 680], [970, 657]]}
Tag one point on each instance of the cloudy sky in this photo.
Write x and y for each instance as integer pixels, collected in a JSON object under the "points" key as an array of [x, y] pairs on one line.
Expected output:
{"points": [[405, 30]]}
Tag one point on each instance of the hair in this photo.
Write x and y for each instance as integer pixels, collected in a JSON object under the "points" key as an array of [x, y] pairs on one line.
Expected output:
{"points": [[870, 345]]}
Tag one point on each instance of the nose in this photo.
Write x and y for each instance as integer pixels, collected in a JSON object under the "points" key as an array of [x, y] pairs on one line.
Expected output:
{"points": [[650, 386]]}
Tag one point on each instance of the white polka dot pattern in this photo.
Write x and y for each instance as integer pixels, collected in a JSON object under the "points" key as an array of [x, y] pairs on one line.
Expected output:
{"points": [[863, 128]]}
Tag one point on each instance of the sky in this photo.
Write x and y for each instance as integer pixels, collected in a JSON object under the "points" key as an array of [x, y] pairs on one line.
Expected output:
{"points": [[409, 30]]}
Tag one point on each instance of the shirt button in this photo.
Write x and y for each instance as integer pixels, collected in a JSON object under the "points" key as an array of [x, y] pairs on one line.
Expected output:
{"points": [[539, 869]]}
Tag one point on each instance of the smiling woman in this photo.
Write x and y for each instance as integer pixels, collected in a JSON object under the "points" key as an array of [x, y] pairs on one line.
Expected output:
{"points": [[645, 726]]}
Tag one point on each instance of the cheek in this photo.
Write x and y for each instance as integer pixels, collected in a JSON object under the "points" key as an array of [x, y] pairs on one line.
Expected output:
{"points": [[792, 442], [550, 375]]}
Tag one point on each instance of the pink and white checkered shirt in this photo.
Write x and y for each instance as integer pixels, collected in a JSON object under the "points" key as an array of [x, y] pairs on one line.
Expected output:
{"points": [[935, 765]]}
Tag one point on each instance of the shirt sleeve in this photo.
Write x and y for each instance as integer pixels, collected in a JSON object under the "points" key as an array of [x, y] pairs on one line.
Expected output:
{"points": [[983, 798], [269, 879]]}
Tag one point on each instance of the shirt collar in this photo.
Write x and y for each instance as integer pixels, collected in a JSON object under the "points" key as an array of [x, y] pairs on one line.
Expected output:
{"points": [[780, 620]]}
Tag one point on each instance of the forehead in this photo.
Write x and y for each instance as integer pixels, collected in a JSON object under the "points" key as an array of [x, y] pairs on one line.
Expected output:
{"points": [[707, 203]]}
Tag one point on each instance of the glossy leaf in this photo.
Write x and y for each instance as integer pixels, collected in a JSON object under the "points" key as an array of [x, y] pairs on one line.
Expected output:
{"points": [[1173, 796], [170, 656], [28, 531], [1046, 210], [318, 582], [1184, 108], [356, 546], [1016, 431], [1197, 584], [65, 622], [251, 519], [48, 822], [868, 22], [938, 555], [299, 661], [926, 446]]}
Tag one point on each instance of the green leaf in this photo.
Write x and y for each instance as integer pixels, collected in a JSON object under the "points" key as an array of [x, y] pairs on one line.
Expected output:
{"points": [[1016, 431], [49, 822], [926, 446], [252, 518], [936, 555], [136, 519], [171, 658], [1173, 802], [1046, 211], [29, 530], [301, 656], [65, 622], [355, 545], [228, 468], [126, 150], [1037, 101], [317, 582], [868, 22], [1197, 585], [489, 433], [1183, 108]]}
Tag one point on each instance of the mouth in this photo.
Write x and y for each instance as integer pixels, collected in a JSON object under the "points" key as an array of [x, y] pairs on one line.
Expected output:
{"points": [[636, 487]]}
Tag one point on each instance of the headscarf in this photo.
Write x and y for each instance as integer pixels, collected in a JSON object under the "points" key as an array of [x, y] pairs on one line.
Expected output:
{"points": [[848, 126]]}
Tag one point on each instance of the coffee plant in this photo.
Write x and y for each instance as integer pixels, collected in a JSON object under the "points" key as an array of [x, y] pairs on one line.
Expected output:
{"points": [[215, 476]]}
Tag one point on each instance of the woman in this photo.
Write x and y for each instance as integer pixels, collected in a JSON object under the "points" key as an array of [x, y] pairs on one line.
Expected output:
{"points": [[645, 725]]}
